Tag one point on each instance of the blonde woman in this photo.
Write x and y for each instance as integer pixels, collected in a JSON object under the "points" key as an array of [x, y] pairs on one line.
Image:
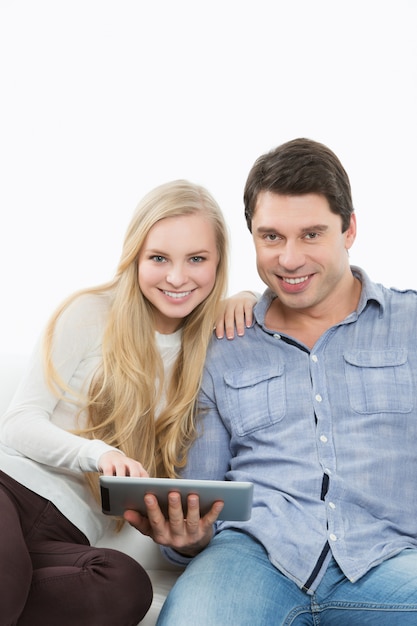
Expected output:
{"points": [[112, 389]]}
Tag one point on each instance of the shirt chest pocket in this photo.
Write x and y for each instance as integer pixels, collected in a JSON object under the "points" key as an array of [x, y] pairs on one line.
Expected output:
{"points": [[379, 381], [255, 399]]}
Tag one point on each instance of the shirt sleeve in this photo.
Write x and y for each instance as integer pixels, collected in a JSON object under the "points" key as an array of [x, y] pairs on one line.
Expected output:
{"points": [[209, 456], [37, 422]]}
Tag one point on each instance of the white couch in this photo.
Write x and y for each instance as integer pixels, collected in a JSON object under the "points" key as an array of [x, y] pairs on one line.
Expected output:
{"points": [[143, 549]]}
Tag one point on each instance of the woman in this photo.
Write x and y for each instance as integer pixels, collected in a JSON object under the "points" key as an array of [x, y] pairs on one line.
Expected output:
{"points": [[111, 389]]}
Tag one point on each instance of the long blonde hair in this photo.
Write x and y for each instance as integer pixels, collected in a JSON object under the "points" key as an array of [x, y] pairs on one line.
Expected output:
{"points": [[123, 395]]}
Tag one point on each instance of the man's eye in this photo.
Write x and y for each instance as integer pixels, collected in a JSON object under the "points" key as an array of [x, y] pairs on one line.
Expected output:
{"points": [[271, 237], [311, 235]]}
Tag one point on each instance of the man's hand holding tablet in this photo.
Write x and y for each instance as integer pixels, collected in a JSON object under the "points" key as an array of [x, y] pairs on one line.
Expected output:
{"points": [[168, 510]]}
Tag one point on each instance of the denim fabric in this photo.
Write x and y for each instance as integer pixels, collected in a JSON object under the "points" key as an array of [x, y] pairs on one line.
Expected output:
{"points": [[328, 436], [233, 583]]}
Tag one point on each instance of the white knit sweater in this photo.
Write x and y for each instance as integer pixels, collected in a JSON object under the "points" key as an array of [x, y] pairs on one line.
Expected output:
{"points": [[36, 448]]}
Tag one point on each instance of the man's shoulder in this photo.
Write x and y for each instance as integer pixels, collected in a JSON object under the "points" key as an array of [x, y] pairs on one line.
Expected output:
{"points": [[402, 297], [384, 295], [397, 290], [225, 349]]}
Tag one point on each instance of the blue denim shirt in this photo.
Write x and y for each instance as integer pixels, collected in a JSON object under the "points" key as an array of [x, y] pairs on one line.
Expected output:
{"points": [[327, 436]]}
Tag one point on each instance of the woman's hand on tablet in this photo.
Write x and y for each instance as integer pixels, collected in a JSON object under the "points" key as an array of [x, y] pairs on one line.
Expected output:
{"points": [[187, 535], [114, 463]]}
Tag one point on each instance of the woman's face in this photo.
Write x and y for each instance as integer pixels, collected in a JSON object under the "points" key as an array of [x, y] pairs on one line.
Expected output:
{"points": [[177, 267]]}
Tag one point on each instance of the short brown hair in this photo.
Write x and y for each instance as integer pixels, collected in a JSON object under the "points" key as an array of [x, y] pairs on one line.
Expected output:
{"points": [[299, 167]]}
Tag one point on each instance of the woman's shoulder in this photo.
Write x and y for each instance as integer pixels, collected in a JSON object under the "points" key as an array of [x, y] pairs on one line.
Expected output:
{"points": [[87, 308]]}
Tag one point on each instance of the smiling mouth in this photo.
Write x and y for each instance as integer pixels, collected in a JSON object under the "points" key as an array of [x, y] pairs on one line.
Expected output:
{"points": [[176, 294], [295, 281]]}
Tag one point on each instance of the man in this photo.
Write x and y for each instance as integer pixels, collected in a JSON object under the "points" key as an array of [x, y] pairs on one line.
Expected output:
{"points": [[317, 406]]}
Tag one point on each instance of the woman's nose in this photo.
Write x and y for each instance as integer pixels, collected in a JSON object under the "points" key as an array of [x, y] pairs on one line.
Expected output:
{"points": [[176, 276]]}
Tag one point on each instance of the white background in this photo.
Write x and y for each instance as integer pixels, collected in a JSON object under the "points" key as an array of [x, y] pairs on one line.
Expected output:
{"points": [[102, 100]]}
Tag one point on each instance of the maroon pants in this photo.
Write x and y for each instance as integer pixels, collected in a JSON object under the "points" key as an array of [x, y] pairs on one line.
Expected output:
{"points": [[49, 573]]}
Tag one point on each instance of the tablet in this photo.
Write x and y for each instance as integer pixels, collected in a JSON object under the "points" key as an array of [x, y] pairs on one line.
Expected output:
{"points": [[119, 493]]}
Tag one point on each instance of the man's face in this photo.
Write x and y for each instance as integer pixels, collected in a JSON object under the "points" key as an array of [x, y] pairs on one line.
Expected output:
{"points": [[300, 248]]}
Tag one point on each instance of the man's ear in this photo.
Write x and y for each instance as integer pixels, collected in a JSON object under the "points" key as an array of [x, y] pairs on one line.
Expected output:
{"points": [[350, 233]]}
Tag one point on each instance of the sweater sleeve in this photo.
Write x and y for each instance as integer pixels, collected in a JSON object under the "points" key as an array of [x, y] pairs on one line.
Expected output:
{"points": [[37, 422]]}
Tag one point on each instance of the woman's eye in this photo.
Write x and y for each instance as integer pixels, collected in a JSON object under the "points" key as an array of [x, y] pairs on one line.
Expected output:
{"points": [[158, 258], [197, 259]]}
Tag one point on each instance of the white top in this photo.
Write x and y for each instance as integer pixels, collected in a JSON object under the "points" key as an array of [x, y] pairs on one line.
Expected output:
{"points": [[36, 448]]}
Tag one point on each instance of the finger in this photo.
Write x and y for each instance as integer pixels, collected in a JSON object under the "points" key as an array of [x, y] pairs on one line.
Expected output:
{"points": [[125, 467], [234, 321], [208, 520], [248, 306], [160, 530], [136, 470], [138, 521], [153, 510], [226, 319], [105, 467], [108, 461], [195, 524], [114, 467], [237, 320], [219, 325], [122, 468], [176, 513], [192, 521]]}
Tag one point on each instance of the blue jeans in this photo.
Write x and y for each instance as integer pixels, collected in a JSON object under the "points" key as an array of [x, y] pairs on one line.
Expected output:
{"points": [[232, 583]]}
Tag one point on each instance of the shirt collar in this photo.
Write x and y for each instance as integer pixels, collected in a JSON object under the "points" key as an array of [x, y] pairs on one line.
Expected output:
{"points": [[370, 291]]}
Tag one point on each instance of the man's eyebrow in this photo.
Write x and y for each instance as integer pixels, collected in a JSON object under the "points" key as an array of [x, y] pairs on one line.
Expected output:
{"points": [[307, 229], [266, 229], [315, 228]]}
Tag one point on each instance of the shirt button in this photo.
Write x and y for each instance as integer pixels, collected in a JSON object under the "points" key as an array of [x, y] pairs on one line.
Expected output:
{"points": [[319, 398], [277, 336], [332, 505], [333, 537], [323, 438], [314, 358]]}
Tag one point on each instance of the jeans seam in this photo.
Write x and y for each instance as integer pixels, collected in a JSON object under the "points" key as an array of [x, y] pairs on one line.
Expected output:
{"points": [[367, 606], [294, 613]]}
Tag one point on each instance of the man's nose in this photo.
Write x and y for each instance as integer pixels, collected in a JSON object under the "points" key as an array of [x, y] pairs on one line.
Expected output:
{"points": [[291, 256]]}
